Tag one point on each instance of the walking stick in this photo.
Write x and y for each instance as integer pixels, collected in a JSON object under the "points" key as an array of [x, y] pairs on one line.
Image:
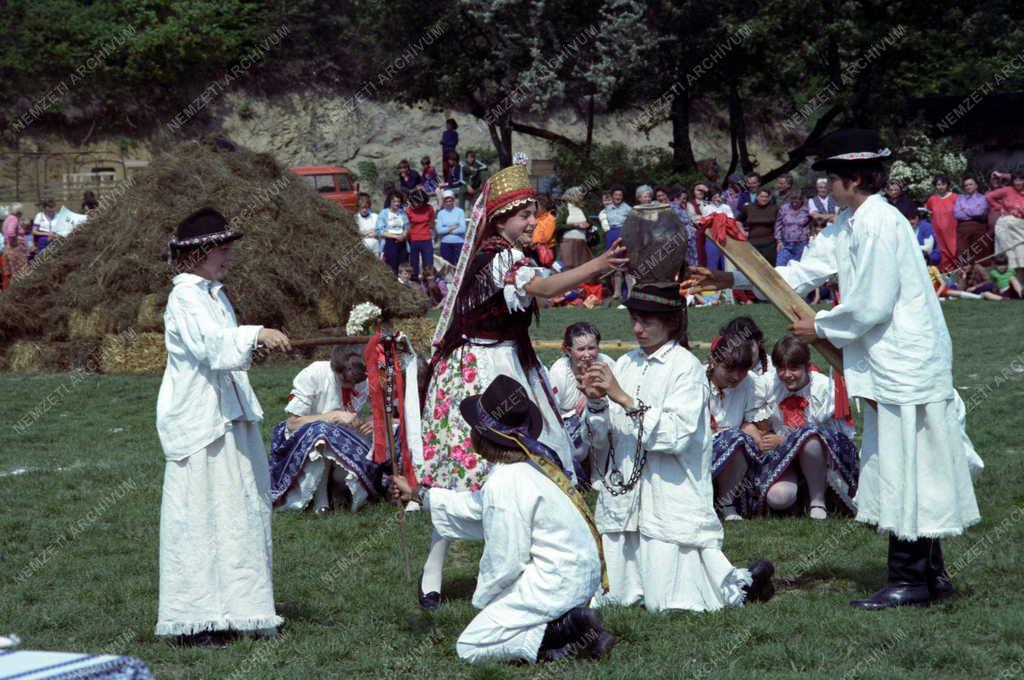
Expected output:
{"points": [[388, 345]]}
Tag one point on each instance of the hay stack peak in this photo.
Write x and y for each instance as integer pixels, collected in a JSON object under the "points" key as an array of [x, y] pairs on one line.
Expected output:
{"points": [[301, 266]]}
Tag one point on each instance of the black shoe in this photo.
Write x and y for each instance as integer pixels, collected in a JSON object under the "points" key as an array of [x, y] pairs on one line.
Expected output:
{"points": [[761, 588], [896, 595], [570, 627], [907, 584], [211, 639], [601, 646], [431, 600]]}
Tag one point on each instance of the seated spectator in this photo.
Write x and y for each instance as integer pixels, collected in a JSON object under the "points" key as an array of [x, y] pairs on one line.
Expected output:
{"points": [[43, 229], [366, 224], [451, 227], [408, 179], [453, 179], [644, 194], [1009, 228], [428, 176], [661, 195], [792, 229], [322, 449], [807, 445], [1004, 280]]}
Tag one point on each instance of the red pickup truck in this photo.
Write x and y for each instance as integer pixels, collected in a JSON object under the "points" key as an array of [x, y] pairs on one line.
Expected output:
{"points": [[333, 182]]}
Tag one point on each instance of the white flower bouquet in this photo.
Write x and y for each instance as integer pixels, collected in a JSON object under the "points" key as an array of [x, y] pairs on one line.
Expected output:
{"points": [[361, 318]]}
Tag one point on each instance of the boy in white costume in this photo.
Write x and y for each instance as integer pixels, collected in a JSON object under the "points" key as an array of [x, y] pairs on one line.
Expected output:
{"points": [[897, 356], [651, 433], [541, 560], [215, 545]]}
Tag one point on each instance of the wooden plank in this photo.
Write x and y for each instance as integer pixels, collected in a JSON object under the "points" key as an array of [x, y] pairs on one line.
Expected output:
{"points": [[775, 289]]}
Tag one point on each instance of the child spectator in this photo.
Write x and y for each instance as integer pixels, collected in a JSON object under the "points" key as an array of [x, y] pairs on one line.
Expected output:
{"points": [[428, 175], [434, 286], [1004, 279], [405, 274], [449, 138], [925, 235], [408, 179]]}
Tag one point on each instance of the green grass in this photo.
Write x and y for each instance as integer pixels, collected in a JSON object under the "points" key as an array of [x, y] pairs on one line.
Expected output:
{"points": [[79, 539]]}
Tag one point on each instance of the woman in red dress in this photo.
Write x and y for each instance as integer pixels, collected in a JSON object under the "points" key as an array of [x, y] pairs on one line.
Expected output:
{"points": [[941, 205]]}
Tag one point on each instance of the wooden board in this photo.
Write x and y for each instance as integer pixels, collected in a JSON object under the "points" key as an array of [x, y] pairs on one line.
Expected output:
{"points": [[775, 289]]}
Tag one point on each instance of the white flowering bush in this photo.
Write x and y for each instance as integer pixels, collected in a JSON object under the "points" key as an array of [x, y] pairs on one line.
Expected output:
{"points": [[361, 317], [920, 158]]}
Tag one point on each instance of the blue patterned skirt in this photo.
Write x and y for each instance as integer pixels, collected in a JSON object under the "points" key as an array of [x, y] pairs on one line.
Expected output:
{"points": [[764, 468], [288, 455]]}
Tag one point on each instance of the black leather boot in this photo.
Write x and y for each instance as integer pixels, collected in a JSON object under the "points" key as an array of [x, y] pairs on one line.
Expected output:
{"points": [[908, 577], [939, 584], [569, 628]]}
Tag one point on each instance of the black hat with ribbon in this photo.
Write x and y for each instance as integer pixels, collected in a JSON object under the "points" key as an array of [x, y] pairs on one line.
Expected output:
{"points": [[504, 407], [655, 297], [850, 145], [204, 227]]}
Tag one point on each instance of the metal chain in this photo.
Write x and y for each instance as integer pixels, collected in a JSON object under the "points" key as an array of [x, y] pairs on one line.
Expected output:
{"points": [[614, 482]]}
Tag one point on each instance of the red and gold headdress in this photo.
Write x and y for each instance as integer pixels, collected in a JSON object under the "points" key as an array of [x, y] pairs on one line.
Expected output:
{"points": [[510, 188]]}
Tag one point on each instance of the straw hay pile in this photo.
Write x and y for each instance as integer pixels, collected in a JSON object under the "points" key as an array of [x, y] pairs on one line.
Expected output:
{"points": [[95, 301]]}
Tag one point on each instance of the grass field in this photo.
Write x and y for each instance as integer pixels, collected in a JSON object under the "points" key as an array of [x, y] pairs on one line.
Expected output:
{"points": [[80, 499]]}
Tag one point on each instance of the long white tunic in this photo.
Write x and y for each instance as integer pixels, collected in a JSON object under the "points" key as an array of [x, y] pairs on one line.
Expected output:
{"points": [[215, 541], [539, 560], [914, 476], [896, 347], [205, 385], [669, 516]]}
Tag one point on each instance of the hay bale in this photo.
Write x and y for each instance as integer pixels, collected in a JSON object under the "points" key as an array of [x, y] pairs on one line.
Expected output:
{"points": [[133, 353], [92, 324], [301, 256], [24, 357], [150, 316], [419, 331]]}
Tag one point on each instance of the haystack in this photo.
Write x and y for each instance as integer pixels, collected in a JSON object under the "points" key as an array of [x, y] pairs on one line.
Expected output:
{"points": [[300, 267]]}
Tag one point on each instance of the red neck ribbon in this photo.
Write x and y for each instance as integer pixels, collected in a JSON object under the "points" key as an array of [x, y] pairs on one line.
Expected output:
{"points": [[376, 375]]}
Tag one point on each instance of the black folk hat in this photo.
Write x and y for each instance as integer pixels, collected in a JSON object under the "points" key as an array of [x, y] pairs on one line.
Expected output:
{"points": [[849, 145], [504, 407], [655, 297], [204, 227]]}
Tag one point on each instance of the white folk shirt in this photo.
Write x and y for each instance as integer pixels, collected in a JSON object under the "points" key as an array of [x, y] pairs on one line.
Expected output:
{"points": [[733, 406], [516, 297], [674, 501], [204, 386], [539, 555], [563, 384], [821, 403], [316, 389], [896, 347]]}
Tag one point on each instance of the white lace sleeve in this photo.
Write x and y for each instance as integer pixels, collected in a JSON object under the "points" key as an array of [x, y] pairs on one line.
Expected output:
{"points": [[509, 273]]}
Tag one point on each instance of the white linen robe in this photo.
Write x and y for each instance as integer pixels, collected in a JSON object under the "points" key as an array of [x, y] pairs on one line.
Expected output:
{"points": [[914, 476], [662, 540], [539, 559], [215, 543]]}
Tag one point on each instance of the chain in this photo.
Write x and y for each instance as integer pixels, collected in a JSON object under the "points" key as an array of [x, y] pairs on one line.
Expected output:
{"points": [[614, 482]]}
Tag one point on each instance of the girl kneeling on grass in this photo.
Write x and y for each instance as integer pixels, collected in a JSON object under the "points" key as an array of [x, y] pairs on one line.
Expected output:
{"points": [[215, 547]]}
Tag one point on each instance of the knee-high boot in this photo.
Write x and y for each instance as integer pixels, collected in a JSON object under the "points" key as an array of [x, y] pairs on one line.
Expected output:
{"points": [[908, 576], [939, 584]]}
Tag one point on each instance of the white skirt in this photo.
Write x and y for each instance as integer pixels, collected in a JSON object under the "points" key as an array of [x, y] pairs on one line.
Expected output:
{"points": [[914, 475], [215, 545], [667, 576]]}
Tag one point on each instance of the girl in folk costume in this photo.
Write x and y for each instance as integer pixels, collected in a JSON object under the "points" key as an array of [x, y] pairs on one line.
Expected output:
{"points": [[215, 547], [914, 478], [651, 434], [739, 413], [542, 558], [324, 440], [580, 343], [483, 332], [807, 439]]}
